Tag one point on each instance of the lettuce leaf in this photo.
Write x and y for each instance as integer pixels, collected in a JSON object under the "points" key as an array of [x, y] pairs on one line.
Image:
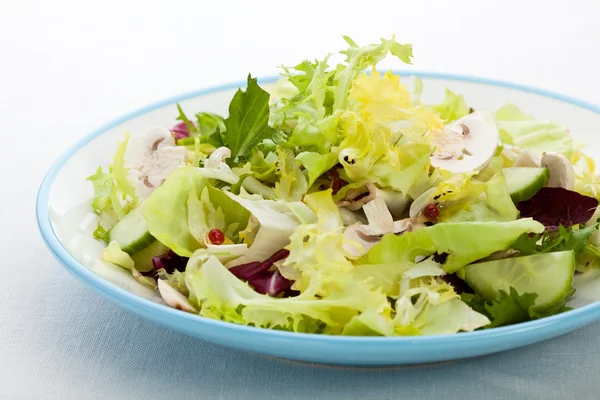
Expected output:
{"points": [[525, 132], [182, 210], [114, 194], [225, 297], [452, 108], [554, 206], [292, 184], [463, 242], [385, 264], [114, 255], [247, 124], [270, 226], [317, 164]]}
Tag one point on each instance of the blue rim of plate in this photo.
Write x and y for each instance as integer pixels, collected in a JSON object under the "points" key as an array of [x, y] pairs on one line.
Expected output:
{"points": [[579, 316]]}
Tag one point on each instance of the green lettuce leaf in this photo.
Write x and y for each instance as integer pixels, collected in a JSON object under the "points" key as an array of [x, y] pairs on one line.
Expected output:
{"points": [[317, 164], [114, 194], [360, 58], [263, 168], [292, 184], [489, 201], [566, 238], [182, 211], [270, 226], [209, 124], [166, 210], [528, 134], [225, 297], [385, 264], [247, 124], [463, 242], [452, 108], [114, 255]]}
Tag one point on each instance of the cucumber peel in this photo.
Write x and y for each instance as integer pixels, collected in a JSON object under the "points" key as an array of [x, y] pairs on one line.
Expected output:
{"points": [[523, 183], [549, 275], [131, 232]]}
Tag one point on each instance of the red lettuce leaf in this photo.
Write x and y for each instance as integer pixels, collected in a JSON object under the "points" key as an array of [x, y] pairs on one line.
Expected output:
{"points": [[263, 280], [180, 131], [170, 262], [557, 206]]}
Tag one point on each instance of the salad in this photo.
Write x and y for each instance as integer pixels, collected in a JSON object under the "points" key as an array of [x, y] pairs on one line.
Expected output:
{"points": [[339, 203]]}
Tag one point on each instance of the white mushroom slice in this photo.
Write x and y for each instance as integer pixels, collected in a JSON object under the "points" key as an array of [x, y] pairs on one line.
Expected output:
{"points": [[151, 156], [354, 205], [562, 173], [379, 216], [466, 144], [173, 298], [380, 222], [529, 159]]}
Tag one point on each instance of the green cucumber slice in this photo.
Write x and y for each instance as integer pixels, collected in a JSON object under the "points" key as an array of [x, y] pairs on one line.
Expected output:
{"points": [[550, 275], [523, 183], [143, 259], [131, 232]]}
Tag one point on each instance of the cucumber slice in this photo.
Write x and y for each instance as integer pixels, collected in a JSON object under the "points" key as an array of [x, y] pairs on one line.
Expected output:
{"points": [[523, 183], [549, 275], [143, 258], [131, 232]]}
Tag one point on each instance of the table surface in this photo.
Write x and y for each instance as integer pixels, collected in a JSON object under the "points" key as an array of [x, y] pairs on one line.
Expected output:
{"points": [[66, 67]]}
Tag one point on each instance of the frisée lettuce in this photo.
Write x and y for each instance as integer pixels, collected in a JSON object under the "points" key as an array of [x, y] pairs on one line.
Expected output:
{"points": [[337, 201]]}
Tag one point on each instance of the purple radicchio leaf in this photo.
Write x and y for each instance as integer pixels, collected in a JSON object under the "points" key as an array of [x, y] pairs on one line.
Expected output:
{"points": [[271, 283], [557, 206], [170, 262], [180, 131], [263, 280]]}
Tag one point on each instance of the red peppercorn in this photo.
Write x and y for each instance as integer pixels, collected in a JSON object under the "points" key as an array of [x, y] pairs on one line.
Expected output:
{"points": [[216, 236], [431, 212]]}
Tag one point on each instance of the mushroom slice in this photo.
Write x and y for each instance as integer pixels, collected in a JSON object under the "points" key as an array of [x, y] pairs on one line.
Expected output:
{"points": [[562, 173], [353, 201], [151, 156], [466, 144], [528, 158], [380, 222], [173, 298]]}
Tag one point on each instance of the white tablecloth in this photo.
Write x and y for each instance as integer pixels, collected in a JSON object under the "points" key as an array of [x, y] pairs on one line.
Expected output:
{"points": [[67, 67]]}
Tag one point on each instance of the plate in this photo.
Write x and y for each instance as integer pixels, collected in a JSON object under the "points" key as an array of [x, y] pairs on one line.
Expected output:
{"points": [[66, 221]]}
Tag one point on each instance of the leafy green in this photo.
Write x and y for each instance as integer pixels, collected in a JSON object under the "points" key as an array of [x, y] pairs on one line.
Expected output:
{"points": [[452, 108], [566, 238], [183, 118], [263, 168], [385, 264], [512, 307], [114, 194], [525, 132], [182, 210], [209, 124], [270, 226], [462, 241], [316, 164], [292, 184], [359, 58], [166, 210], [247, 124], [114, 255]]}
